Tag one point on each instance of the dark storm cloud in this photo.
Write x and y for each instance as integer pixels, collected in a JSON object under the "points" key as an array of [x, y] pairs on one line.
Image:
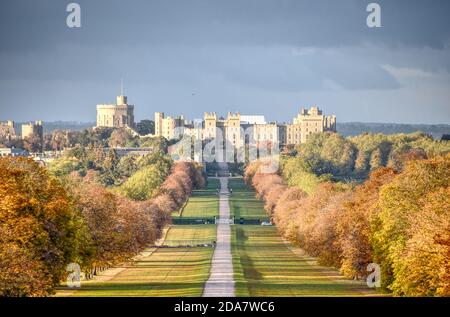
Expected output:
{"points": [[247, 55], [40, 24]]}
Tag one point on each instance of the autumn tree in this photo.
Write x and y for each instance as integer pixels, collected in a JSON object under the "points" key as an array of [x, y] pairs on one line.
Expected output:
{"points": [[33, 144], [354, 227], [408, 207], [120, 138], [39, 229]]}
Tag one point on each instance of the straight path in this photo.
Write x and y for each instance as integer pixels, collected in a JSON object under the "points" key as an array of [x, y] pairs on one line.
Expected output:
{"points": [[221, 279]]}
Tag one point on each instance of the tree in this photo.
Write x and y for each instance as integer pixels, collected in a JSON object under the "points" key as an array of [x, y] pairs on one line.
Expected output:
{"points": [[361, 166], [401, 202], [145, 127], [63, 166], [39, 229], [127, 166], [424, 266], [58, 140], [143, 184], [109, 175], [376, 160], [119, 138], [354, 229], [33, 144]]}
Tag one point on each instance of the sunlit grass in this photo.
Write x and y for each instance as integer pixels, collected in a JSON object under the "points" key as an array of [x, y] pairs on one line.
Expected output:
{"points": [[243, 203], [202, 203], [264, 265], [166, 272]]}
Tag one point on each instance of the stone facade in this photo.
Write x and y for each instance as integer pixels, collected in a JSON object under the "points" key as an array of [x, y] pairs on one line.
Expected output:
{"points": [[30, 129], [255, 129], [170, 127], [308, 122], [117, 115], [240, 136], [7, 130]]}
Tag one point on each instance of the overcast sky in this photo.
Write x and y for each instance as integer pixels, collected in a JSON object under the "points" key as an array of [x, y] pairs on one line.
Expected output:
{"points": [[268, 57]]}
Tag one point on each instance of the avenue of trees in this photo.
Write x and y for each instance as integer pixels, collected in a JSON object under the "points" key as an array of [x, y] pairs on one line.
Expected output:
{"points": [[397, 216], [89, 208]]}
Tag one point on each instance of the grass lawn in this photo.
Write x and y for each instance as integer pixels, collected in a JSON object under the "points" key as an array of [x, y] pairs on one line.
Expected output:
{"points": [[264, 265], [202, 203], [243, 203], [166, 272]]}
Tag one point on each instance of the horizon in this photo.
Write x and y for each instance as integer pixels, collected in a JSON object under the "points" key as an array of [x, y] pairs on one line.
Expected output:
{"points": [[152, 119]]}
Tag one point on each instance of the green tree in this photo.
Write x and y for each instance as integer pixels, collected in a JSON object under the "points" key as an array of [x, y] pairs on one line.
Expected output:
{"points": [[109, 175], [145, 127], [143, 184]]}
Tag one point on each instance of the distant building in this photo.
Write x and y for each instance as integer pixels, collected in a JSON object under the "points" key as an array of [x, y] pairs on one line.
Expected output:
{"points": [[117, 115], [269, 132], [238, 130], [12, 152], [308, 122], [210, 125], [170, 127], [30, 129], [7, 130]]}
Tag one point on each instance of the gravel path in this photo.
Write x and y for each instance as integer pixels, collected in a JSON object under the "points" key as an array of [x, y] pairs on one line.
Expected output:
{"points": [[221, 281]]}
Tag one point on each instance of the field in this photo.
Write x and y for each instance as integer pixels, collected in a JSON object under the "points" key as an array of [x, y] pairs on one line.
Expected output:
{"points": [[172, 270], [243, 203], [264, 265], [202, 203], [164, 272]]}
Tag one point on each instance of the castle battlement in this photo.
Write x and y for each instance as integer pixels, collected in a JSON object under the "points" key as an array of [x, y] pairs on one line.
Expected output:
{"points": [[116, 115]]}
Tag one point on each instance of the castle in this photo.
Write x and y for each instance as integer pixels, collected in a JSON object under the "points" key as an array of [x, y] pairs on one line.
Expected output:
{"points": [[234, 134], [8, 130], [30, 129], [307, 122], [117, 115]]}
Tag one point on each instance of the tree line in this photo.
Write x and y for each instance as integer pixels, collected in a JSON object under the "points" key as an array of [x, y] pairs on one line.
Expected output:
{"points": [[398, 217], [58, 140], [48, 221]]}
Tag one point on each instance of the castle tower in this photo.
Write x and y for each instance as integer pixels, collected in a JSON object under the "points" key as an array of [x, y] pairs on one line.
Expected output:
{"points": [[30, 129], [121, 100], [159, 116], [117, 115], [210, 127]]}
